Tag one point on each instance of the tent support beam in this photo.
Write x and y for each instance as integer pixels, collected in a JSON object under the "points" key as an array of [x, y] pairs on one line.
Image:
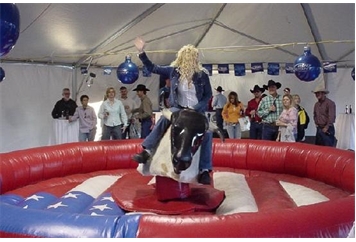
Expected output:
{"points": [[314, 29], [210, 25], [121, 31]]}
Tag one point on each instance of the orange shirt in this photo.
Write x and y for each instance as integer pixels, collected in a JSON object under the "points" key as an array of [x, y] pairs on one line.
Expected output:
{"points": [[231, 114]]}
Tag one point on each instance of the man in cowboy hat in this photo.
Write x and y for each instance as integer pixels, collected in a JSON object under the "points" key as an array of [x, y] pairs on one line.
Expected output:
{"points": [[269, 110], [252, 105], [145, 112], [218, 103], [324, 118]]}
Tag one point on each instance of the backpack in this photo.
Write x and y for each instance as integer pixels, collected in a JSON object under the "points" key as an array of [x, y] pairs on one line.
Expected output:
{"points": [[303, 117]]}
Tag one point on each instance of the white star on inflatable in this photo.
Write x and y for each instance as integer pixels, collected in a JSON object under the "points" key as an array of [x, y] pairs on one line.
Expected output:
{"points": [[70, 195], [34, 197], [101, 207], [107, 198], [25, 207], [59, 204], [95, 214]]}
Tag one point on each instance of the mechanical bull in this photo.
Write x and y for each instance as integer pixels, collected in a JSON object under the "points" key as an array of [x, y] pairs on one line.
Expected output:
{"points": [[177, 155]]}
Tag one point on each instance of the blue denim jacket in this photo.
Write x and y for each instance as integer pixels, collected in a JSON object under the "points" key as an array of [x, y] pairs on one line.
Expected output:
{"points": [[200, 80]]}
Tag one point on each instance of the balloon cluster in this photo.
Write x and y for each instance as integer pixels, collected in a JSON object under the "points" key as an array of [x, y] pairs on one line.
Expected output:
{"points": [[9, 27], [127, 72], [307, 67]]}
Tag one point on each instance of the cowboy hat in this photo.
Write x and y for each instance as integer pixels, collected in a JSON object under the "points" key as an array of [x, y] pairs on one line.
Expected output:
{"points": [[141, 87], [272, 83], [324, 90], [219, 89], [256, 88]]}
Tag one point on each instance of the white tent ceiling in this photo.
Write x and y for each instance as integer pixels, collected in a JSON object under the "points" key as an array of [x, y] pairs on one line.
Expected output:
{"points": [[70, 33]]}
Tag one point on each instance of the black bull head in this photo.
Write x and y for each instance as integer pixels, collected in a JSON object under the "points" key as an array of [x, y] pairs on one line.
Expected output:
{"points": [[188, 128]]}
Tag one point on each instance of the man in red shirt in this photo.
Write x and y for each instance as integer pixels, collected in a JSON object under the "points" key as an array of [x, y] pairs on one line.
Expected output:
{"points": [[252, 105]]}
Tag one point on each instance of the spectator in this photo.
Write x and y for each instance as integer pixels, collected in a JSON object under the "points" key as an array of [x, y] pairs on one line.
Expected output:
{"points": [[251, 112], [287, 121], [114, 117], [145, 112], [303, 119], [87, 120], [269, 109], [218, 103], [232, 111], [64, 107], [324, 117]]}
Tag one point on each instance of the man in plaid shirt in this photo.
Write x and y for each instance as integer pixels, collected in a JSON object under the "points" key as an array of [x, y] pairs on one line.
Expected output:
{"points": [[269, 110]]}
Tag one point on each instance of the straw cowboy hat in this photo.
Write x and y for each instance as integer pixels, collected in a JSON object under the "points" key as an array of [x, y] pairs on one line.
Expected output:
{"points": [[321, 89]]}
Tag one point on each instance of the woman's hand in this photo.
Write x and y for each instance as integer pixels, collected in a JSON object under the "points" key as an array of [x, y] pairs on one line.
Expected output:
{"points": [[139, 43]]}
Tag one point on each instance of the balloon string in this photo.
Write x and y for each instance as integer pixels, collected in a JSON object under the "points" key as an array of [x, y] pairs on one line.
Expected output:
{"points": [[216, 49]]}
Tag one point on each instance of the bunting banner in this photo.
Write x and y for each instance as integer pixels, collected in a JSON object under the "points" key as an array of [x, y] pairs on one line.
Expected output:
{"points": [[209, 68], [240, 69], [256, 67], [145, 72], [289, 68], [223, 68], [273, 69], [329, 67]]}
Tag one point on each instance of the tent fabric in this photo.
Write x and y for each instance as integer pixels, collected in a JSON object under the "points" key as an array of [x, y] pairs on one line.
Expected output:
{"points": [[58, 38], [69, 33]]}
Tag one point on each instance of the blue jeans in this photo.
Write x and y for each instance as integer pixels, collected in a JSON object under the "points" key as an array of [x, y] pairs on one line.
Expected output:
{"points": [[87, 136], [145, 127], [325, 139], [152, 140], [234, 131], [269, 132], [109, 131], [256, 130]]}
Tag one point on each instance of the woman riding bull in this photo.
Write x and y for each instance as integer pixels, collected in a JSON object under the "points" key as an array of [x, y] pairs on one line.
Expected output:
{"points": [[190, 88]]}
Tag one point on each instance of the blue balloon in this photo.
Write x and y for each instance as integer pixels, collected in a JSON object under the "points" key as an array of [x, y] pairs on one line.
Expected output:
{"points": [[307, 67], [353, 73], [2, 74], [127, 72], [9, 27]]}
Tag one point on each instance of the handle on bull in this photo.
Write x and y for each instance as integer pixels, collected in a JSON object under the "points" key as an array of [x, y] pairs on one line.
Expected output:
{"points": [[214, 128]]}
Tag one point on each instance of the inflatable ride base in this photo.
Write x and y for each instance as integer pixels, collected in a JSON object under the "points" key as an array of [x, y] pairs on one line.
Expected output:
{"points": [[134, 192]]}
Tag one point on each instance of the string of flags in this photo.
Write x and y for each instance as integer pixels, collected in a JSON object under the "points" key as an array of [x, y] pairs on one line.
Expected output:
{"points": [[272, 68]]}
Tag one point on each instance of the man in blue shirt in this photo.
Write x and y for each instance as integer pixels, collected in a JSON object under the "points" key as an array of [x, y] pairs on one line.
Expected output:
{"points": [[218, 103]]}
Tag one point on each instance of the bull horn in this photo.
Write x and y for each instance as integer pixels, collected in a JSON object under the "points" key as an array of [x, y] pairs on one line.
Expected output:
{"points": [[216, 129], [167, 113]]}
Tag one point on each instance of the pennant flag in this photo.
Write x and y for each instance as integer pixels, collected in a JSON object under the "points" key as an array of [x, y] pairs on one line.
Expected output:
{"points": [[209, 68], [329, 67], [145, 72], [273, 69], [289, 68], [223, 68], [107, 70], [256, 67], [240, 69]]}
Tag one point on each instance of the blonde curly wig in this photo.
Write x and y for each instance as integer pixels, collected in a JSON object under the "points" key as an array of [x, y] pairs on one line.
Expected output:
{"points": [[187, 63]]}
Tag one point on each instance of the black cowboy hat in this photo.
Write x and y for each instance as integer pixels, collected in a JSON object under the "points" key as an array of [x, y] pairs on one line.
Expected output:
{"points": [[272, 83], [219, 89], [256, 88], [141, 87]]}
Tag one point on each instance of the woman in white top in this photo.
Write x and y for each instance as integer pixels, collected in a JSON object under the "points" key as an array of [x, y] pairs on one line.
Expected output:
{"points": [[114, 117]]}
